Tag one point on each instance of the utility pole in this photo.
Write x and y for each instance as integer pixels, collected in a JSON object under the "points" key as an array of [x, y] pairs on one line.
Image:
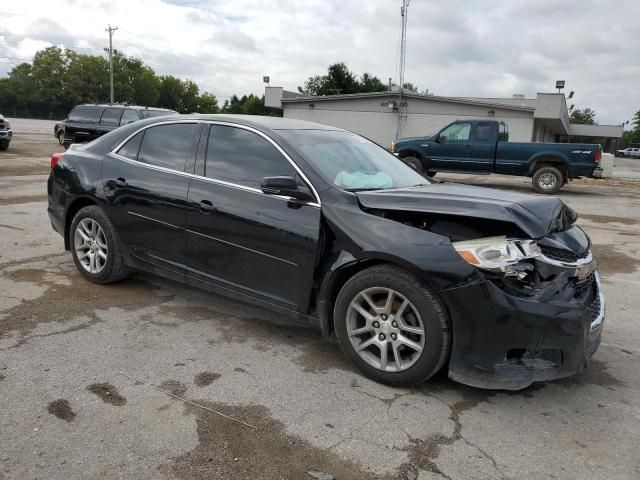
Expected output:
{"points": [[111, 29], [403, 52]]}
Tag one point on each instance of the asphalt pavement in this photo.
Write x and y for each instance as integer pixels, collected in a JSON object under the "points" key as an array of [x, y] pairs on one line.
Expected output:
{"points": [[74, 356]]}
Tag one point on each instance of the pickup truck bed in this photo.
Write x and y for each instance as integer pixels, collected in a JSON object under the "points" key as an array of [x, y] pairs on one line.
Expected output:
{"points": [[482, 147]]}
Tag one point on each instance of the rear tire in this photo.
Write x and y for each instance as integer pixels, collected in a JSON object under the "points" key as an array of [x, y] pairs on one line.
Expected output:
{"points": [[416, 337], [547, 180], [96, 247]]}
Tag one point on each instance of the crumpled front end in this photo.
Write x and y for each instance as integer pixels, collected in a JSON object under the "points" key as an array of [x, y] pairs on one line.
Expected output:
{"points": [[512, 330]]}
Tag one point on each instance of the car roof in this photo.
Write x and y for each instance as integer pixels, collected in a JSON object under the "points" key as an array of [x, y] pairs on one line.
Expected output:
{"points": [[259, 121], [117, 105]]}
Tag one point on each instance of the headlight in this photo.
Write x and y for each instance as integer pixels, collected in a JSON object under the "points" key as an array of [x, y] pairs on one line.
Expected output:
{"points": [[7, 125], [393, 147], [496, 253]]}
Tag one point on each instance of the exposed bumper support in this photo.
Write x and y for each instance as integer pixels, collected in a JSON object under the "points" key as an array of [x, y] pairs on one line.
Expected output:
{"points": [[501, 341]]}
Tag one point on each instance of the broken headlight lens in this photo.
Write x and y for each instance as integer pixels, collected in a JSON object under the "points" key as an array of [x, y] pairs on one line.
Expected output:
{"points": [[497, 253]]}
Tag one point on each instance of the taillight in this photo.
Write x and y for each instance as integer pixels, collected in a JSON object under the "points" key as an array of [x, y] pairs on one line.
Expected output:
{"points": [[598, 155], [55, 158]]}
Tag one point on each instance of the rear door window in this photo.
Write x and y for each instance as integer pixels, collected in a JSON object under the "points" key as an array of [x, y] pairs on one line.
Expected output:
{"points": [[86, 114], [483, 132], [241, 157], [168, 145], [111, 117], [129, 116]]}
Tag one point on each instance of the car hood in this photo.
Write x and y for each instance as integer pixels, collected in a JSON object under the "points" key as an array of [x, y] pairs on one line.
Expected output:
{"points": [[535, 216]]}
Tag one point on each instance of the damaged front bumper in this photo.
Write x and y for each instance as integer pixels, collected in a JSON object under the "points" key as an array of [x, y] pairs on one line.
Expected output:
{"points": [[502, 340]]}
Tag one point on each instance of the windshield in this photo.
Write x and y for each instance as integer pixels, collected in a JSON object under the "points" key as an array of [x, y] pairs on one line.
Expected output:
{"points": [[155, 113], [352, 162]]}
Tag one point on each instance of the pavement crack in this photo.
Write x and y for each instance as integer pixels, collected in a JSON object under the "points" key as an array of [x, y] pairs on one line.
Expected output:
{"points": [[75, 328], [486, 455]]}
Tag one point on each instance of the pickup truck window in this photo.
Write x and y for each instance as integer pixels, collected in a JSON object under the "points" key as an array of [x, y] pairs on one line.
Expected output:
{"points": [[458, 132], [503, 132], [483, 132]]}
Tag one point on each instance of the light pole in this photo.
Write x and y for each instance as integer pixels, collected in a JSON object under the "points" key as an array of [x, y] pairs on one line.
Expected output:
{"points": [[111, 29]]}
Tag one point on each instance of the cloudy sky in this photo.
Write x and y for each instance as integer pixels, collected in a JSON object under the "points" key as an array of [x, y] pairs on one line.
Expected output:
{"points": [[454, 47]]}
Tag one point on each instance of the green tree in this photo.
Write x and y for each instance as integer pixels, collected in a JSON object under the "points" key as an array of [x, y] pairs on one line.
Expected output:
{"points": [[207, 103], [86, 80], [370, 83], [585, 117], [249, 105], [171, 91], [338, 80]]}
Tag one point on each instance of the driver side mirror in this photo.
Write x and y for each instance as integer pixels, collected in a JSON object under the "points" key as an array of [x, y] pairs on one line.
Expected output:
{"points": [[285, 186], [440, 138]]}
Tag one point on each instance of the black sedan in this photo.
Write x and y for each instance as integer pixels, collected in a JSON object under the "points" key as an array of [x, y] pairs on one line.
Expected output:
{"points": [[413, 275]]}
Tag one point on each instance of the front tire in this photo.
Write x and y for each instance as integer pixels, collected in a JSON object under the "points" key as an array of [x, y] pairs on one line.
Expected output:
{"points": [[61, 138], [392, 326], [4, 146], [547, 180], [413, 162], [96, 247]]}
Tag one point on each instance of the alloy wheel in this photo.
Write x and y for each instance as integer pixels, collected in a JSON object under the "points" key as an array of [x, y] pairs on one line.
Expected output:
{"points": [[385, 329], [91, 245]]}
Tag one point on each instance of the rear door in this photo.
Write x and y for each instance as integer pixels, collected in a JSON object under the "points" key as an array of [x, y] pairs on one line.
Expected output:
{"points": [[453, 151], [240, 238], [483, 148], [146, 189]]}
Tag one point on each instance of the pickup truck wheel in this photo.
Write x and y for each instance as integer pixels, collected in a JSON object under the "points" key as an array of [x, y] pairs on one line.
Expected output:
{"points": [[4, 145], [61, 138], [392, 326], [414, 163], [547, 180]]}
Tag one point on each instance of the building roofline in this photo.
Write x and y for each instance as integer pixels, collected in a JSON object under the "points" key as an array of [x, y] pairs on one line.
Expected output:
{"points": [[419, 96]]}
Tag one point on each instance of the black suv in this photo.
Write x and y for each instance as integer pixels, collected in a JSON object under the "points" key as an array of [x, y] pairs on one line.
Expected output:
{"points": [[90, 121]]}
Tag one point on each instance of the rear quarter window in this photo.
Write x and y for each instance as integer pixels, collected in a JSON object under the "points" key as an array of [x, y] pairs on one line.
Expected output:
{"points": [[86, 114]]}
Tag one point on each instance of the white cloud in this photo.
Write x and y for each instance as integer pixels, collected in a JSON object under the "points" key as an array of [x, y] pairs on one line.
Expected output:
{"points": [[457, 47]]}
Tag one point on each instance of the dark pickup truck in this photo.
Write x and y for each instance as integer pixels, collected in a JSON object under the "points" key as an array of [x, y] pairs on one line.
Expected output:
{"points": [[481, 146]]}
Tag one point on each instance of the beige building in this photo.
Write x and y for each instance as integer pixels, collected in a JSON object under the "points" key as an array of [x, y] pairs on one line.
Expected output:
{"points": [[385, 116]]}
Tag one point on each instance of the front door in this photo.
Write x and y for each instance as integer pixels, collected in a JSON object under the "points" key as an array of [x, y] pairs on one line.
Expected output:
{"points": [[453, 150], [146, 190], [240, 238]]}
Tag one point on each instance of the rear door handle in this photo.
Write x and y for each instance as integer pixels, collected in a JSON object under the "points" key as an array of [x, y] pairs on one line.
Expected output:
{"points": [[206, 206], [120, 182]]}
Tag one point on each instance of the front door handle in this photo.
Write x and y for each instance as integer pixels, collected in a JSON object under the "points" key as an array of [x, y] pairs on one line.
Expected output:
{"points": [[206, 207], [120, 182]]}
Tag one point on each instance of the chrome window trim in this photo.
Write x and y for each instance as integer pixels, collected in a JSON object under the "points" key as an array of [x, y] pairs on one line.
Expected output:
{"points": [[238, 186]]}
